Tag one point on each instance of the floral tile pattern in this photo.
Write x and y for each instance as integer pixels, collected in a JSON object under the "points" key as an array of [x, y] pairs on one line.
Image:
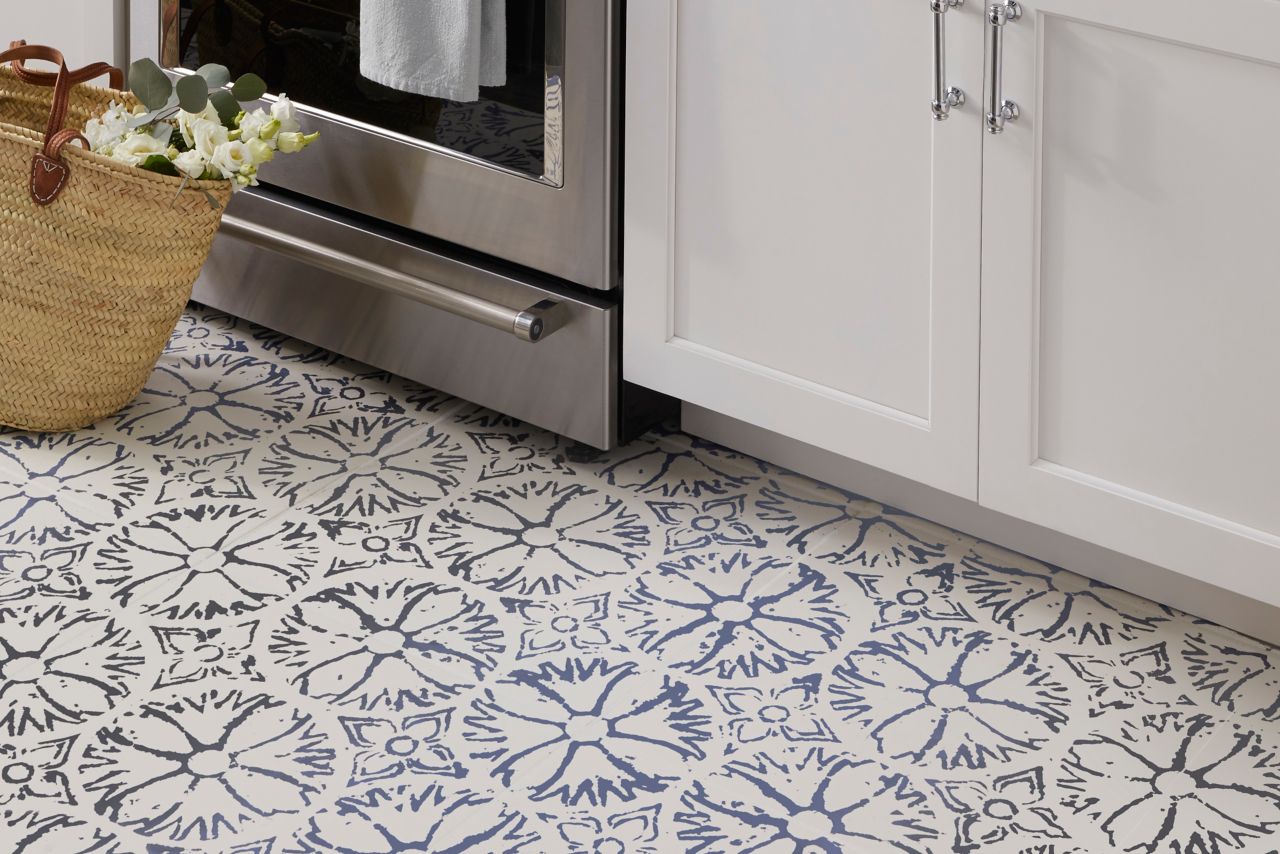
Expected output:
{"points": [[284, 603]]}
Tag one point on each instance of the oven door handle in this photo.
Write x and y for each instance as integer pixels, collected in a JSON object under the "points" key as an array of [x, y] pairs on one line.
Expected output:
{"points": [[531, 324]]}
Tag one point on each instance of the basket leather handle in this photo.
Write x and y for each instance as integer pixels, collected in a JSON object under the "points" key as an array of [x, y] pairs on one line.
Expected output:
{"points": [[49, 172], [115, 77]]}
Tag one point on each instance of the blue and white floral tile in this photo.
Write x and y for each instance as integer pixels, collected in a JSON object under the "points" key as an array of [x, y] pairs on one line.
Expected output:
{"points": [[285, 602]]}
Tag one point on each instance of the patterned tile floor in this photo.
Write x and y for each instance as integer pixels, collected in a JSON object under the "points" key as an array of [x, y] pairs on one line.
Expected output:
{"points": [[284, 603]]}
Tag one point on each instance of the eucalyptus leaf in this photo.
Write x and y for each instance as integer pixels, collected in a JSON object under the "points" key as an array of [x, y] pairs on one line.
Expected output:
{"points": [[193, 93], [226, 105], [215, 75], [162, 132], [213, 203], [151, 85], [250, 87]]}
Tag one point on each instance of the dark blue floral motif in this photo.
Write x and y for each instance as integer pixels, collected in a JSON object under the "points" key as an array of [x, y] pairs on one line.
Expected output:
{"points": [[680, 465], [216, 476], [365, 548], [991, 811], [903, 598], [717, 521], [205, 331], [1037, 600], [60, 664], [206, 561], [388, 748], [202, 767], [524, 451], [363, 466], [58, 833], [805, 800], [35, 773], [364, 394], [960, 699], [394, 645], [211, 399], [194, 654], [631, 832], [538, 537], [791, 712], [1179, 782], [63, 485], [1240, 674], [420, 818], [1134, 676], [42, 571], [844, 528], [588, 730], [550, 627], [734, 613]]}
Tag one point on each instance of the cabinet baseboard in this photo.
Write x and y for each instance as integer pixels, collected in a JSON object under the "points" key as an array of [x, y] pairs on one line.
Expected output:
{"points": [[1157, 583]]}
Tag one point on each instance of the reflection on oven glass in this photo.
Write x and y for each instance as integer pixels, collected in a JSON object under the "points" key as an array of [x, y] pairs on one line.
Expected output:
{"points": [[471, 77]]}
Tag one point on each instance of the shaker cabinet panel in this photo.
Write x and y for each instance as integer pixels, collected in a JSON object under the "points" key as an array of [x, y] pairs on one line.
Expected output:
{"points": [[1130, 360], [801, 236]]}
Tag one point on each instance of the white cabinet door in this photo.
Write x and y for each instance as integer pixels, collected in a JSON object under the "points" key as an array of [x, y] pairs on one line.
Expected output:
{"points": [[1131, 283], [801, 237], [85, 32]]}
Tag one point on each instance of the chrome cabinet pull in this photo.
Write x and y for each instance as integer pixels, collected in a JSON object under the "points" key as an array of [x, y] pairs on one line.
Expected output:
{"points": [[944, 97], [999, 108]]}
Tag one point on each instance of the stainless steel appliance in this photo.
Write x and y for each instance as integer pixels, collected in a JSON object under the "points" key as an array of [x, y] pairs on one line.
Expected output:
{"points": [[470, 245]]}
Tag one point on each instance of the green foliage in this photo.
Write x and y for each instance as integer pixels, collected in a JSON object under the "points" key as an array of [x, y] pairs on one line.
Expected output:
{"points": [[250, 87], [226, 105], [150, 84], [193, 93], [211, 84], [159, 163], [215, 75]]}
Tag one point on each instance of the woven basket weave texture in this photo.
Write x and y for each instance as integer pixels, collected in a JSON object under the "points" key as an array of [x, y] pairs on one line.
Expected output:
{"points": [[92, 284]]}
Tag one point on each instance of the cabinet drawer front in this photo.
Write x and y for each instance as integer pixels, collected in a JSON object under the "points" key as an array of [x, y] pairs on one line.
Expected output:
{"points": [[1130, 358]]}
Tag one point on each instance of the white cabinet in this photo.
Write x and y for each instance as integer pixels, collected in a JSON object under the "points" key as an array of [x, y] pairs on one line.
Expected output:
{"points": [[808, 252], [802, 239], [85, 32], [1131, 283]]}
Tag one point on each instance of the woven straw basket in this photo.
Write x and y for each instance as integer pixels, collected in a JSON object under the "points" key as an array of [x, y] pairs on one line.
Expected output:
{"points": [[97, 259]]}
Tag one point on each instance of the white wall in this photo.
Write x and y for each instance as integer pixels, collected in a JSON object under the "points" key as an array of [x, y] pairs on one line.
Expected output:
{"points": [[84, 30]]}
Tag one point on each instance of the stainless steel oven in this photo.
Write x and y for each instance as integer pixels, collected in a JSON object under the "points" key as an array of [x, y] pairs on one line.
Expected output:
{"points": [[467, 239]]}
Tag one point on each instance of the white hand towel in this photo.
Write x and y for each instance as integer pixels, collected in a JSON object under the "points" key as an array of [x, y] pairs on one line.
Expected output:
{"points": [[440, 48]]}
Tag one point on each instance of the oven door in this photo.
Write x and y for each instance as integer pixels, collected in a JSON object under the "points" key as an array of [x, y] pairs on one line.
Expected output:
{"points": [[522, 170]]}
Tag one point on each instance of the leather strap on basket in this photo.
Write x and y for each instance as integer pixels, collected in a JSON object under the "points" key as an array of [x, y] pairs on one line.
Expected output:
{"points": [[115, 77], [49, 172]]}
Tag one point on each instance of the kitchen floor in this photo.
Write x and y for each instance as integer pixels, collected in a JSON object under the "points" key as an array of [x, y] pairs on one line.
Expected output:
{"points": [[285, 603]]}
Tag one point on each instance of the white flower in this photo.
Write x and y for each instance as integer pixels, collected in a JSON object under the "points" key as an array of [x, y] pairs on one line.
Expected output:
{"points": [[284, 112], [290, 142], [187, 121], [207, 136], [137, 147], [257, 125], [260, 151], [108, 129], [190, 163], [230, 158]]}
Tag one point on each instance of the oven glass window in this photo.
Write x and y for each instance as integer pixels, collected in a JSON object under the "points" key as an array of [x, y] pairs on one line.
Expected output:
{"points": [[475, 77]]}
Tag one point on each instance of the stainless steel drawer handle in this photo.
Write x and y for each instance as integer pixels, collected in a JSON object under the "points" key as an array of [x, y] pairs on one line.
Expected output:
{"points": [[532, 324], [999, 108], [944, 97]]}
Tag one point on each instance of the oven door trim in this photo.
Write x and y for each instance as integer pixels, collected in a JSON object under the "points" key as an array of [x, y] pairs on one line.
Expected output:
{"points": [[563, 224]]}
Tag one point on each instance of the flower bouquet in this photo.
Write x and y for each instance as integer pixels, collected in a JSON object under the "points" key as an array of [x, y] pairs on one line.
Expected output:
{"points": [[198, 128], [109, 204]]}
